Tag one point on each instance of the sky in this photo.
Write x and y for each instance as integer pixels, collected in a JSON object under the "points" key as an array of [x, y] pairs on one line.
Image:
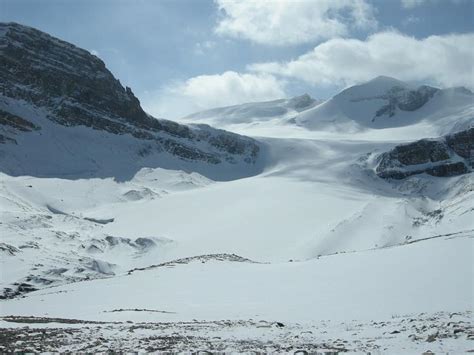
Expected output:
{"points": [[183, 56]]}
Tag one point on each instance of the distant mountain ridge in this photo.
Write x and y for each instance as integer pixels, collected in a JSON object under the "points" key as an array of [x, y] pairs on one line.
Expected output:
{"points": [[382, 102], [256, 111], [386, 102], [46, 83]]}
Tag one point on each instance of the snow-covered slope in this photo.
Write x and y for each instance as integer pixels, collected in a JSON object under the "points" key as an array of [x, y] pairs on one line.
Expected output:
{"points": [[277, 111], [318, 247], [315, 198], [56, 150], [53, 229], [386, 103], [363, 286]]}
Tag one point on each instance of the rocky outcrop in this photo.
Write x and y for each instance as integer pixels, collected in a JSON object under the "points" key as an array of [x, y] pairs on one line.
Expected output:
{"points": [[15, 122], [405, 99], [301, 103], [75, 88], [462, 143], [447, 156]]}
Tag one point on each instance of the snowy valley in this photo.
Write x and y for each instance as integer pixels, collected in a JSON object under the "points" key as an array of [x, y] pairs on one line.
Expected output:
{"points": [[296, 224]]}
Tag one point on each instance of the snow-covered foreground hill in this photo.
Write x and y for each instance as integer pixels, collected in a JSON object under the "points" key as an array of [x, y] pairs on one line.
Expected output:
{"points": [[367, 285], [373, 300]]}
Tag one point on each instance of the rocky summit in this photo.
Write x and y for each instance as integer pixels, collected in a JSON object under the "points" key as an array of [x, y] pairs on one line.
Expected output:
{"points": [[70, 87]]}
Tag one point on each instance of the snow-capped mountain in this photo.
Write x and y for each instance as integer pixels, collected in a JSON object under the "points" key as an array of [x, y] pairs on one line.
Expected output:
{"points": [[60, 101], [380, 104], [386, 103]]}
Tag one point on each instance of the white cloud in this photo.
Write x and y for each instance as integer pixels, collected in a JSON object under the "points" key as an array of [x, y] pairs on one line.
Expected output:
{"points": [[443, 60], [208, 91], [286, 22]]}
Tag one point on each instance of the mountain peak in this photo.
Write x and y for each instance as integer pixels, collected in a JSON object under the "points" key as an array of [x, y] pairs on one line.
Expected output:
{"points": [[383, 79], [375, 87], [15, 34], [386, 102]]}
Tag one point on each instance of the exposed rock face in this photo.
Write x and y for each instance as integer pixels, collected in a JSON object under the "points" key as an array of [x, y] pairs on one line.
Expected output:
{"points": [[405, 99], [76, 89], [462, 143], [421, 152], [18, 123], [76, 85], [448, 156], [14, 123], [301, 103]]}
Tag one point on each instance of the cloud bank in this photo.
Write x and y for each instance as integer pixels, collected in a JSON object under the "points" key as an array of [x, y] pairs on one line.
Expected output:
{"points": [[443, 60], [285, 22], [208, 91]]}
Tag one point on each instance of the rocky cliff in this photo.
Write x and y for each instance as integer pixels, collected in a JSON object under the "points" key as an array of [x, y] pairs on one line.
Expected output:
{"points": [[447, 156], [70, 87]]}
